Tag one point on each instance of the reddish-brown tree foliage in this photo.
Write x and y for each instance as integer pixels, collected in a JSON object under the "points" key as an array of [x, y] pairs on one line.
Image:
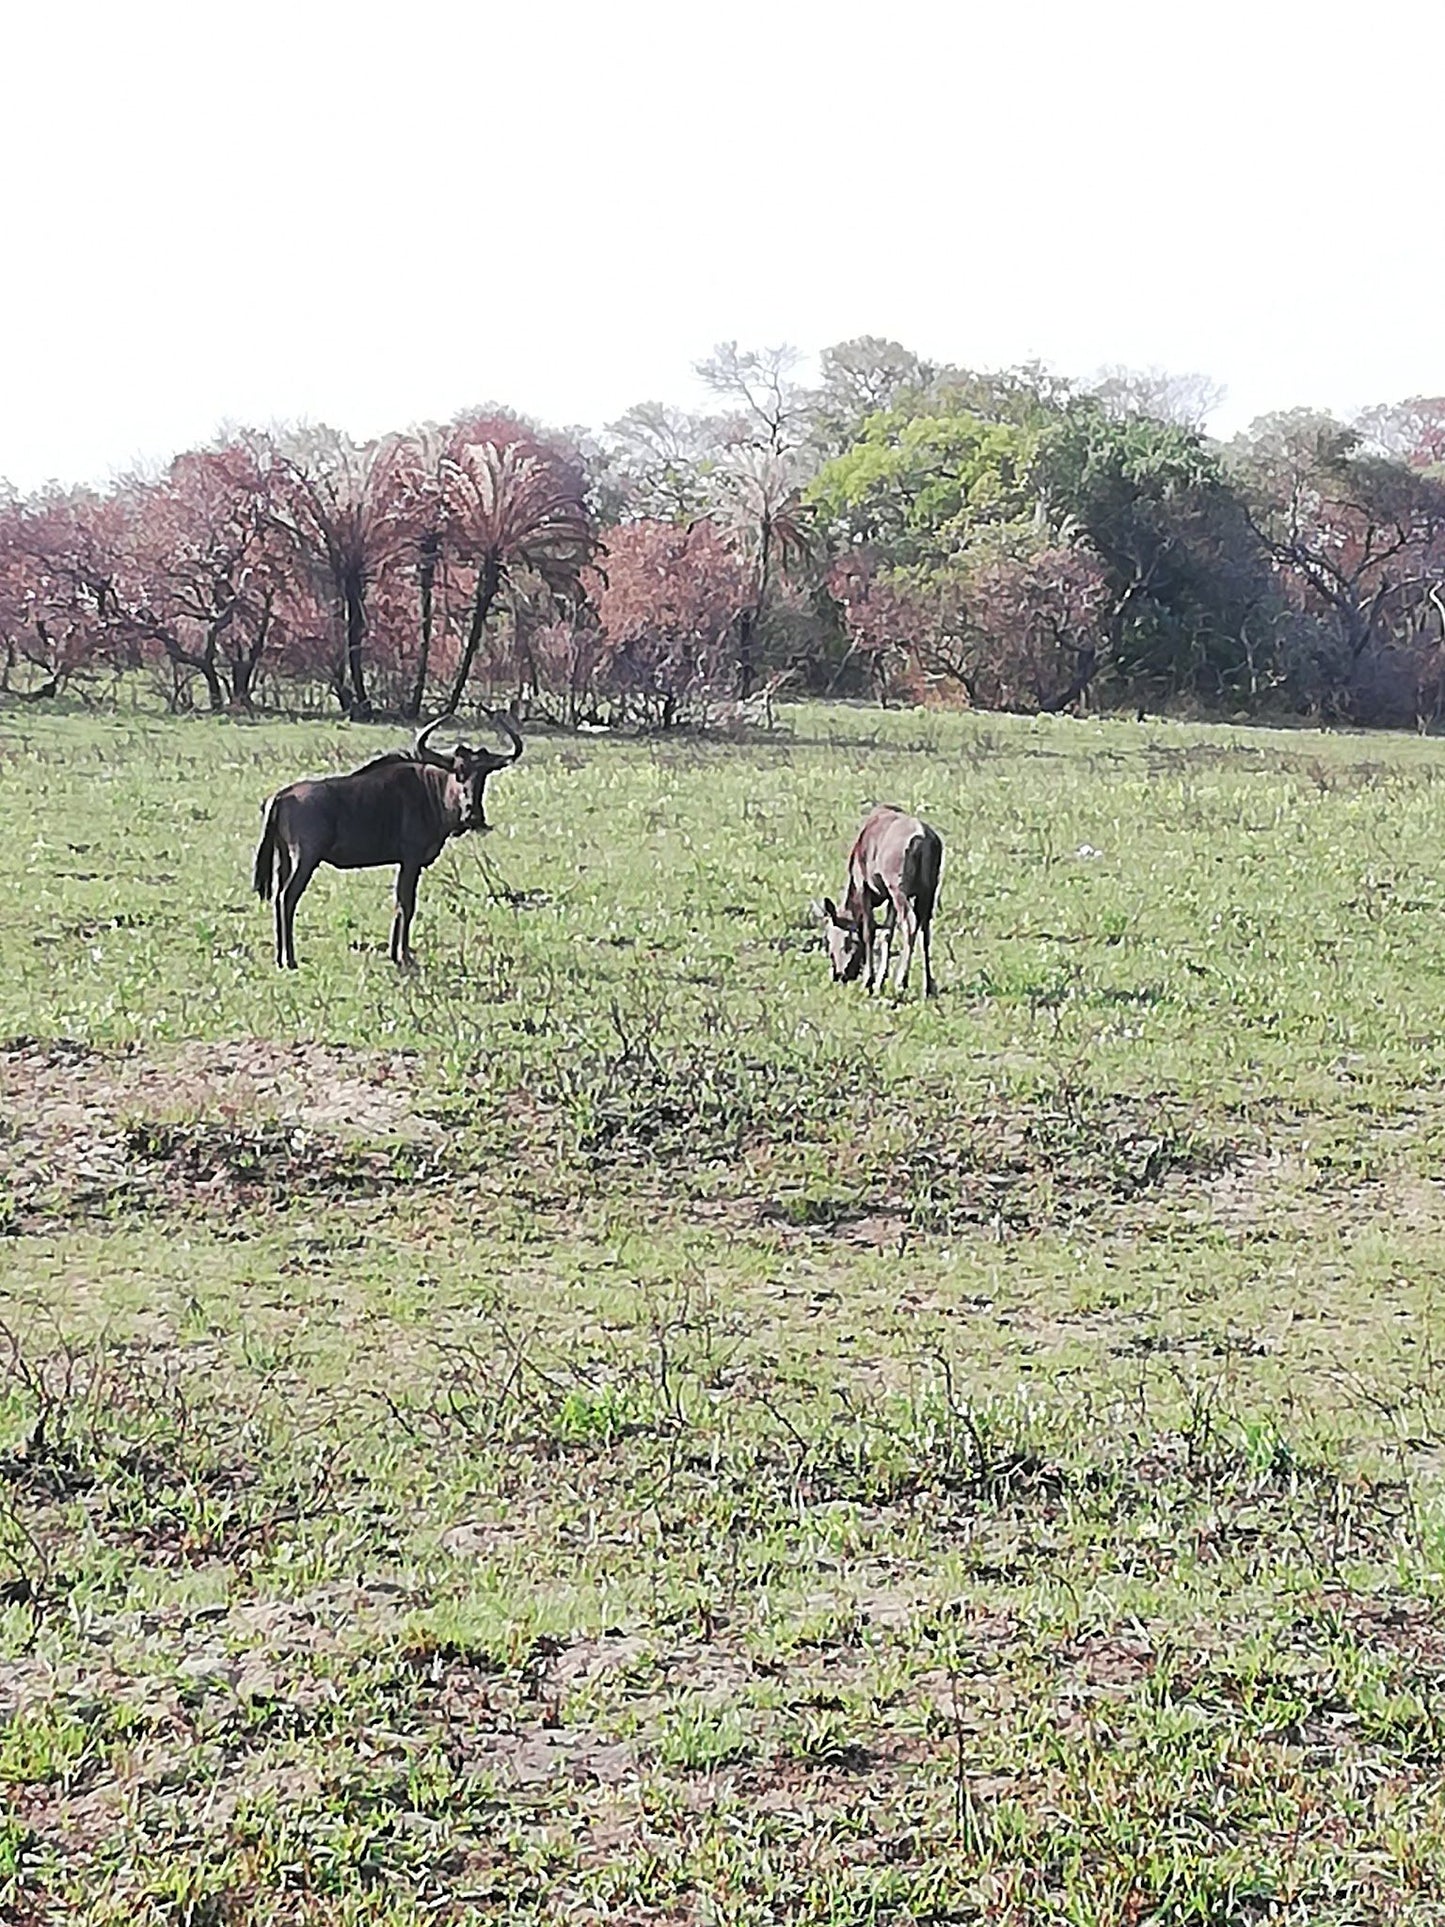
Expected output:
{"points": [[1305, 567], [1018, 631], [63, 552], [202, 576], [1358, 545], [669, 606]]}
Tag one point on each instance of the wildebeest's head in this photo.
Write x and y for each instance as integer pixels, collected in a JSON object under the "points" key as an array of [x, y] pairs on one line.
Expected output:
{"points": [[846, 949], [470, 767]]}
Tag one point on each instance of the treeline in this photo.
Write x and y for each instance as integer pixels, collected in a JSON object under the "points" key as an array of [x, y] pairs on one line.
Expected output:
{"points": [[901, 529]]}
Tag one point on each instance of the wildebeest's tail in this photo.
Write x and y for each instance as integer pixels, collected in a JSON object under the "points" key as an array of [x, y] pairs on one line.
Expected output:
{"points": [[922, 863], [264, 875]]}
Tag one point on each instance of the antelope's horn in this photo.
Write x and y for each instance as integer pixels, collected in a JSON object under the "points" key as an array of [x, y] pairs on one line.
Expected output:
{"points": [[508, 728], [427, 755]]}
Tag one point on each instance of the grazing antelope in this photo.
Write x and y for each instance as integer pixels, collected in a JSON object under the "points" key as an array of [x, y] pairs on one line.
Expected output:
{"points": [[894, 866], [400, 808]]}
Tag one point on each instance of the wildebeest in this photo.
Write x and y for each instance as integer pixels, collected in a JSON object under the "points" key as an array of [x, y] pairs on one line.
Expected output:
{"points": [[399, 808], [894, 866]]}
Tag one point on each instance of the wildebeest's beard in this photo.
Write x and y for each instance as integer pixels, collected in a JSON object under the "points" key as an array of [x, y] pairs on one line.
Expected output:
{"points": [[474, 816], [471, 784]]}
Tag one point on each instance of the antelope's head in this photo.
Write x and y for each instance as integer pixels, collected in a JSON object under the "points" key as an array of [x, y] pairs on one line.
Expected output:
{"points": [[845, 942], [469, 768]]}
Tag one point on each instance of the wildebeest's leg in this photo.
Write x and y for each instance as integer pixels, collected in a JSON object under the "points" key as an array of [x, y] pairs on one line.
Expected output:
{"points": [[868, 931], [283, 873], [884, 942], [286, 902], [908, 918], [406, 882]]}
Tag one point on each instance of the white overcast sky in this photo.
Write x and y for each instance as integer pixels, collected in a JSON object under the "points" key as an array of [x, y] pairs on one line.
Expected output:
{"points": [[375, 215]]}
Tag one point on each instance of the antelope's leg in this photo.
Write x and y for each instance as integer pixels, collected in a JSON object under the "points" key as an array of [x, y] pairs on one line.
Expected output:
{"points": [[286, 910], [909, 921], [930, 989], [406, 882], [869, 928], [885, 944], [279, 879]]}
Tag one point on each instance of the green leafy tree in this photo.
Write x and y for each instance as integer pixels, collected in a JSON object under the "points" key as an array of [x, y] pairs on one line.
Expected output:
{"points": [[1028, 395], [917, 488], [1185, 570]]}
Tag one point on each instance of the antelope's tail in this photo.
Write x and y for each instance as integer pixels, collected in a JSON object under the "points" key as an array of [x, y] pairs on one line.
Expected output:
{"points": [[921, 867], [264, 874]]}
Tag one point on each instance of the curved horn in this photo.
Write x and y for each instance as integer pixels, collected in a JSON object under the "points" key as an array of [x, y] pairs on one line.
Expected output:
{"points": [[427, 755], [504, 722]]}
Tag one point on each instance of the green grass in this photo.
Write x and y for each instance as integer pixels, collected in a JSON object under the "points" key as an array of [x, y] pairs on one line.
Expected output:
{"points": [[609, 1426]]}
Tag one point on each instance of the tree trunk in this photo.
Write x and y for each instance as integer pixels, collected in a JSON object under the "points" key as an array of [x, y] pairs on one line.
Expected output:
{"points": [[1362, 622], [488, 582], [204, 665], [353, 588], [245, 662], [1084, 671], [752, 618], [426, 573], [243, 672], [745, 650]]}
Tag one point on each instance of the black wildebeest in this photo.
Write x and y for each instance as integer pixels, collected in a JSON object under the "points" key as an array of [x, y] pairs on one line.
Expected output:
{"points": [[893, 866], [400, 808]]}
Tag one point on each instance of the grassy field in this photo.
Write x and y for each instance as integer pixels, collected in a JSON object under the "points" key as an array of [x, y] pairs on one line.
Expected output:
{"points": [[609, 1427]]}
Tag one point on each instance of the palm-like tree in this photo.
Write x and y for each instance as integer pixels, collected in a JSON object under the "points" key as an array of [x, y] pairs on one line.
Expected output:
{"points": [[758, 502], [511, 506], [421, 509], [347, 511]]}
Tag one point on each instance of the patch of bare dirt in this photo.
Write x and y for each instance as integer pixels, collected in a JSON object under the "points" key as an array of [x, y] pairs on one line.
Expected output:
{"points": [[589, 1659], [25, 1681], [1108, 1660], [805, 1219], [74, 1824], [1248, 1192], [1283, 1192], [512, 1727], [1412, 1628], [538, 1756], [324, 1617], [86, 1132]]}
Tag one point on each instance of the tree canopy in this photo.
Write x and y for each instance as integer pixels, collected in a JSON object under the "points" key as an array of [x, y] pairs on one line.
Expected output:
{"points": [[897, 527]]}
